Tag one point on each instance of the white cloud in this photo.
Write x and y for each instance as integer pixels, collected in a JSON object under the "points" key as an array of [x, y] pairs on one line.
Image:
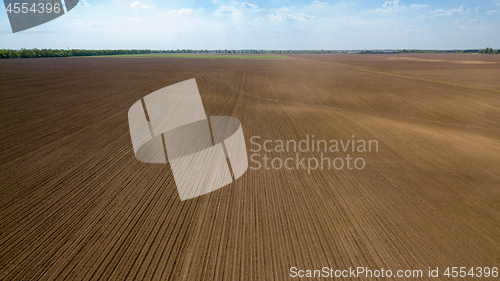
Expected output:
{"points": [[418, 6], [83, 3], [477, 9], [181, 12], [394, 3], [249, 5], [306, 17], [442, 12], [492, 12], [135, 19], [84, 24], [319, 3], [390, 6], [229, 11], [140, 5], [254, 22], [281, 15]]}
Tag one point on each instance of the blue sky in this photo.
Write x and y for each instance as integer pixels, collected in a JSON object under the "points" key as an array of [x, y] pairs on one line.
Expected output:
{"points": [[220, 24]]}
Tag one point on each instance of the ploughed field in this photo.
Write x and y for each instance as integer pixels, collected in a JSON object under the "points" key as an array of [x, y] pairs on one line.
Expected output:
{"points": [[75, 204]]}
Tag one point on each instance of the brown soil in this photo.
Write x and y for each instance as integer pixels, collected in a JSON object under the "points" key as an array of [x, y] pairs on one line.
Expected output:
{"points": [[473, 70], [75, 204]]}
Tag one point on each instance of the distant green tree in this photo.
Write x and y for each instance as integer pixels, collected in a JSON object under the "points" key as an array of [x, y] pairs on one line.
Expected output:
{"points": [[37, 53]]}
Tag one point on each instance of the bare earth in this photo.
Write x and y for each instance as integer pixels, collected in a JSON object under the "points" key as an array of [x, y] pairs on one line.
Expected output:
{"points": [[75, 204]]}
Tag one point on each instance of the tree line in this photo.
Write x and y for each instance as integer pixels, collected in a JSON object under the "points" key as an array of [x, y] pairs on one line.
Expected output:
{"points": [[489, 51], [44, 53], [243, 51], [470, 51]]}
